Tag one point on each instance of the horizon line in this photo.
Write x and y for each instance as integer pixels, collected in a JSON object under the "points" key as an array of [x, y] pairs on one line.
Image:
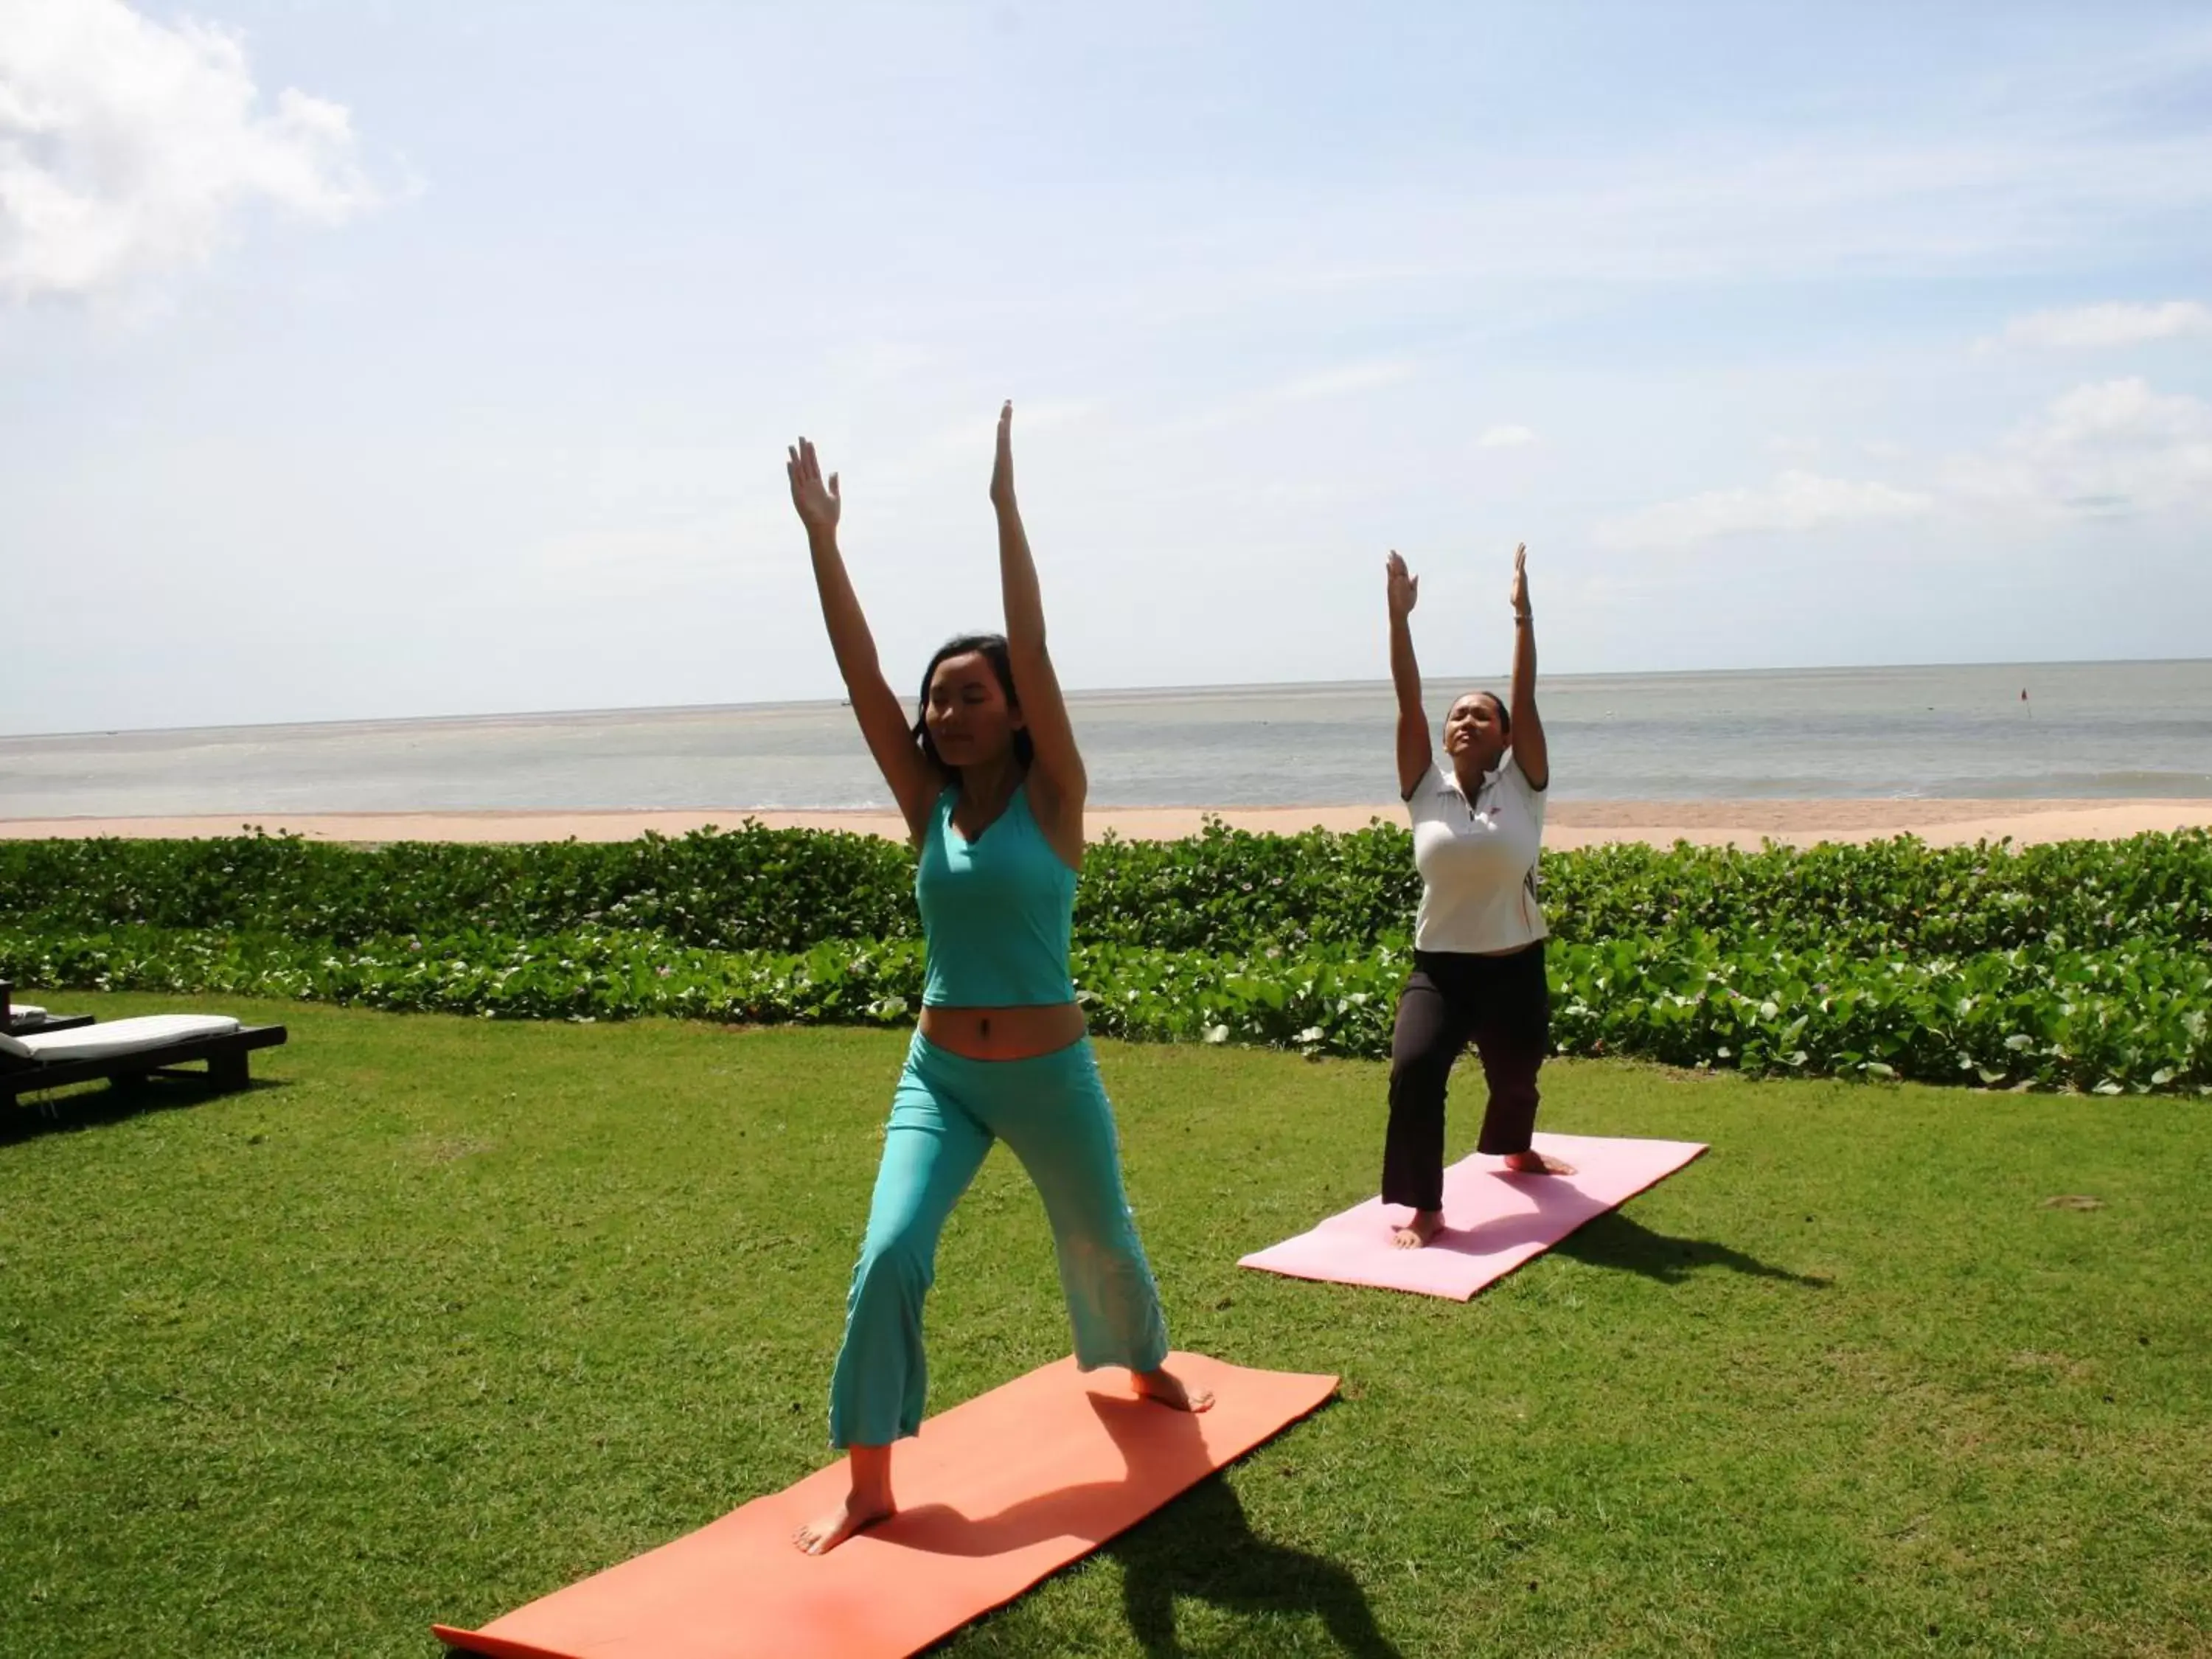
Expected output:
{"points": [[1073, 694]]}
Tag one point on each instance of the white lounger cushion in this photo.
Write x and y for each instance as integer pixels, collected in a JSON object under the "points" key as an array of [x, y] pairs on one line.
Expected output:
{"points": [[26, 1011], [122, 1036]]}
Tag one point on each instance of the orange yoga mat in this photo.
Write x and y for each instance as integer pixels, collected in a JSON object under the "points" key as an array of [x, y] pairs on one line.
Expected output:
{"points": [[994, 1496]]}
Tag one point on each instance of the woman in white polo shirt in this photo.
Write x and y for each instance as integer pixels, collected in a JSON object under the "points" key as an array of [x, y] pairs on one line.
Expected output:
{"points": [[1479, 940]]}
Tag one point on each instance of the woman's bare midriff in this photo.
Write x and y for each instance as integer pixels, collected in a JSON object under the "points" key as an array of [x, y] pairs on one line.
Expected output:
{"points": [[1004, 1033]]}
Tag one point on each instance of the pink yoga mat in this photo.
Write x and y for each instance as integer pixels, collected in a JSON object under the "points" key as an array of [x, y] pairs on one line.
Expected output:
{"points": [[1494, 1219]]}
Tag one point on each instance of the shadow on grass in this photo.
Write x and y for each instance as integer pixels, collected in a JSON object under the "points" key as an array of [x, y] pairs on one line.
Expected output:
{"points": [[1618, 1240], [1204, 1548], [1199, 1545], [93, 1105]]}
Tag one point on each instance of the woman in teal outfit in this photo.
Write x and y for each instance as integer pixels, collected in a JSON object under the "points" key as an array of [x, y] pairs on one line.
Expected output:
{"points": [[991, 789]]}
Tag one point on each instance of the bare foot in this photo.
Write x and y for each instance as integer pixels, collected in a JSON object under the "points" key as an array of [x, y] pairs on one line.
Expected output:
{"points": [[868, 1502], [1534, 1163], [1165, 1387], [825, 1532], [1424, 1226]]}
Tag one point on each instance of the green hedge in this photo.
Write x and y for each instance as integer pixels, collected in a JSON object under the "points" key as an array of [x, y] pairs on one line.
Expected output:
{"points": [[753, 888], [2130, 1017], [1224, 890], [2083, 964]]}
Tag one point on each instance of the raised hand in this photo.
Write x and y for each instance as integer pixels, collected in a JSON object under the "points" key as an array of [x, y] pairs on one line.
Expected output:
{"points": [[1530, 751], [819, 503], [1405, 587], [1002, 465]]}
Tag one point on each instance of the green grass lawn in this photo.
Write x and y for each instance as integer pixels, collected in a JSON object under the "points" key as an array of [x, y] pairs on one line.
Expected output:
{"points": [[444, 1314]]}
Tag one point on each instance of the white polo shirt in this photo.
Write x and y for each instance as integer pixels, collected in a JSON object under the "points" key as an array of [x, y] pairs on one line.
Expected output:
{"points": [[1478, 861]]}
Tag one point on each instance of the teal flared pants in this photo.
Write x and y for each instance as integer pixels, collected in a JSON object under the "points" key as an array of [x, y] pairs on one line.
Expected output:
{"points": [[1052, 1111]]}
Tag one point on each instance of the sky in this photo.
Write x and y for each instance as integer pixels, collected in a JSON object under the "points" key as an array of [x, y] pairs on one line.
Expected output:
{"points": [[375, 358]]}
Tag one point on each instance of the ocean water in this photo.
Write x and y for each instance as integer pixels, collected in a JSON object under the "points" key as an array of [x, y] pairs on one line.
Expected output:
{"points": [[2089, 730]]}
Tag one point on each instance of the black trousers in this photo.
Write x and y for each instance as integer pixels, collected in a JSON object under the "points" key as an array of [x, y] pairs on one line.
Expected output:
{"points": [[1501, 1004]]}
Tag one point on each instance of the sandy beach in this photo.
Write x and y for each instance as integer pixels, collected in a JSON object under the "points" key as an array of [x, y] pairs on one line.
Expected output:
{"points": [[1571, 823]]}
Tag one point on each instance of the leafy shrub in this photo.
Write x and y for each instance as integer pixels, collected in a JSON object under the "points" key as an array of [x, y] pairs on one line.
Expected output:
{"points": [[2083, 964], [1224, 890], [2132, 1018], [748, 889]]}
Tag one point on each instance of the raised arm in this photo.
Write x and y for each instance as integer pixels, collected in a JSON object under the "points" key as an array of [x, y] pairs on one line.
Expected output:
{"points": [[915, 783], [1529, 751], [1058, 783], [1414, 750]]}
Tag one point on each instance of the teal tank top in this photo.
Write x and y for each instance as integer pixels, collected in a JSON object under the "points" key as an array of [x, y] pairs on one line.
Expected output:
{"points": [[997, 912]]}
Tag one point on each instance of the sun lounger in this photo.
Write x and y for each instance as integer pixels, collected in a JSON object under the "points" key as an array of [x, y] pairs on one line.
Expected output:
{"points": [[18, 1017], [26, 1018], [132, 1048]]}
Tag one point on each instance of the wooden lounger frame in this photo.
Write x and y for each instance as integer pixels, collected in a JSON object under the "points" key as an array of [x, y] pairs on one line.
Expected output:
{"points": [[225, 1053], [15, 1025]]}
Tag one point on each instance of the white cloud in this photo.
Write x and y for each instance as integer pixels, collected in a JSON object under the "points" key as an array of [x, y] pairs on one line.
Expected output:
{"points": [[128, 148], [1046, 413], [1342, 382], [2105, 449], [742, 552], [1793, 503], [1506, 437], [2104, 325], [1827, 204], [868, 359], [1347, 381]]}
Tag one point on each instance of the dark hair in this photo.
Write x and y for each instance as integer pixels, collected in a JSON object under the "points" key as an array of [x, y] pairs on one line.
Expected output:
{"points": [[1505, 714], [992, 647]]}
